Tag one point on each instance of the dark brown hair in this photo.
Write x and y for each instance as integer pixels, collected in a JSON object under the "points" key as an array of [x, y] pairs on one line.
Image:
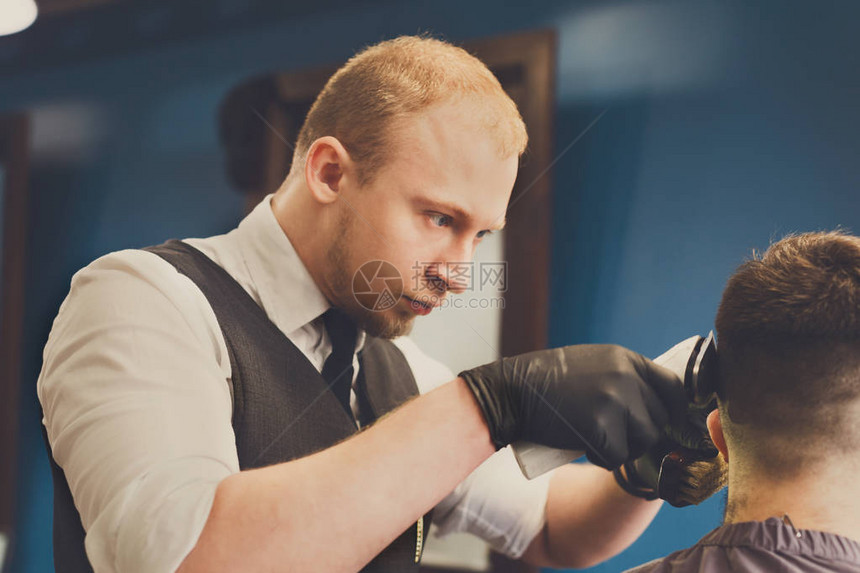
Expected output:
{"points": [[788, 330]]}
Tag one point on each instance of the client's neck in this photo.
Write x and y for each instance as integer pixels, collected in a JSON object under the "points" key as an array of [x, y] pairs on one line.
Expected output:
{"points": [[823, 498]]}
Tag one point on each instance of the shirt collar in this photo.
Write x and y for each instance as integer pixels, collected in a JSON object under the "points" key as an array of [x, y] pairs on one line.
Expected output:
{"points": [[286, 290]]}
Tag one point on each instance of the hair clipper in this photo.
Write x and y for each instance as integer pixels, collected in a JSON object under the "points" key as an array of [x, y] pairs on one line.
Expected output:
{"points": [[694, 361]]}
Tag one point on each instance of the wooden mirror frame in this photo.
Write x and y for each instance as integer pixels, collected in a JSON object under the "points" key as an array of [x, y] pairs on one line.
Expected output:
{"points": [[259, 122], [14, 156]]}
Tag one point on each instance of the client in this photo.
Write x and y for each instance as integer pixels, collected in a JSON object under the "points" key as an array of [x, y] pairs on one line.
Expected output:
{"points": [[788, 421]]}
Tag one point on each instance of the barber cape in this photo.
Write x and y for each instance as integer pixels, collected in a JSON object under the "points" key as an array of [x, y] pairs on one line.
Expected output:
{"points": [[762, 547]]}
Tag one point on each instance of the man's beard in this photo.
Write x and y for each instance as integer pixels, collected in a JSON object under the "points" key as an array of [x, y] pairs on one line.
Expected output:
{"points": [[389, 323]]}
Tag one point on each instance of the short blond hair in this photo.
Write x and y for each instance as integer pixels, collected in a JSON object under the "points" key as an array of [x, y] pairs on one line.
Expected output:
{"points": [[362, 102]]}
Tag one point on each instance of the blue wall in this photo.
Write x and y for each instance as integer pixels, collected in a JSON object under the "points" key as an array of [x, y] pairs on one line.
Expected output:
{"points": [[726, 124]]}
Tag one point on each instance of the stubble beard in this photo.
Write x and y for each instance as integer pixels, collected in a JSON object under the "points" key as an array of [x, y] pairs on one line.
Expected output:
{"points": [[389, 323]]}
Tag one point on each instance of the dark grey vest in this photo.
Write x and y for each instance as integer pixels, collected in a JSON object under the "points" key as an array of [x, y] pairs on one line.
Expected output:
{"points": [[282, 409]]}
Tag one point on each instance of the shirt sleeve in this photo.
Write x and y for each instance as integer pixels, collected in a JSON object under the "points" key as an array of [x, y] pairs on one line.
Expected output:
{"points": [[135, 392], [495, 502]]}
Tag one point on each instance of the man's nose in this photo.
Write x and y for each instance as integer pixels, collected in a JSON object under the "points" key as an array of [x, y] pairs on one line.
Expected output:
{"points": [[448, 276], [455, 271]]}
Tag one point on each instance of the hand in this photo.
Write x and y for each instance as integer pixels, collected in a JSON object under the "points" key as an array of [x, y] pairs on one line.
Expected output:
{"points": [[693, 471], [604, 399]]}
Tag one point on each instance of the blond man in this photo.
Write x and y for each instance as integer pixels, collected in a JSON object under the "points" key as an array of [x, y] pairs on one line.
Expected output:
{"points": [[232, 404]]}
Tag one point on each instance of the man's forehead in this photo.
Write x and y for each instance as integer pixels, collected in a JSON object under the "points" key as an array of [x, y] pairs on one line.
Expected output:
{"points": [[447, 161], [448, 133]]}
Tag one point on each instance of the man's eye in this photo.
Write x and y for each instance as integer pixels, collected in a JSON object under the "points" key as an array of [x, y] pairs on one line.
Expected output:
{"points": [[440, 220], [482, 234]]}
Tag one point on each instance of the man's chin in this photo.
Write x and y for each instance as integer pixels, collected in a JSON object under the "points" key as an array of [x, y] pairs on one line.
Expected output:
{"points": [[387, 324]]}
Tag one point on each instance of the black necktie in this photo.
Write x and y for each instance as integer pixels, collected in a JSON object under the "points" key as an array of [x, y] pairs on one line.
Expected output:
{"points": [[337, 370]]}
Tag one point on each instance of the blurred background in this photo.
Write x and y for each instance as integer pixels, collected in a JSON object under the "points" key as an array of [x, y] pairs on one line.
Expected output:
{"points": [[670, 138]]}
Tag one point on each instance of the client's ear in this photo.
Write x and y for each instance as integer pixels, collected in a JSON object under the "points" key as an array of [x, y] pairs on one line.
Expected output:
{"points": [[715, 428]]}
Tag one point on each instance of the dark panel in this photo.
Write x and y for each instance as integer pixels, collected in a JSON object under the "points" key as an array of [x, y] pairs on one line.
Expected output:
{"points": [[14, 137], [71, 31], [62, 7]]}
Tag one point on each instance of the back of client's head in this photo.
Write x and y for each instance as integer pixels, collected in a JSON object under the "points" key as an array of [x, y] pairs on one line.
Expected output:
{"points": [[788, 329]]}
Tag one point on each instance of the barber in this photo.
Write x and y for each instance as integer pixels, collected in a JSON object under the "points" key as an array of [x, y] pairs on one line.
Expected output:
{"points": [[229, 404]]}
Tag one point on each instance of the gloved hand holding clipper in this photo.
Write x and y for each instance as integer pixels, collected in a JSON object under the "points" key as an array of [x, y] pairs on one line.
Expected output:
{"points": [[684, 467], [606, 400]]}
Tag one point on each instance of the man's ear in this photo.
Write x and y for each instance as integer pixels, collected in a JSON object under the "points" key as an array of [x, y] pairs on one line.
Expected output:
{"points": [[327, 168], [715, 428]]}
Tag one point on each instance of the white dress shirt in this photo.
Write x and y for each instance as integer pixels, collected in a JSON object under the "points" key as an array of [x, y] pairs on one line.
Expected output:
{"points": [[136, 390]]}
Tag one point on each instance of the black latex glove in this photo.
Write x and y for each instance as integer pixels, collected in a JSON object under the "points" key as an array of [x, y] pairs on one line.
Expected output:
{"points": [[604, 399], [689, 438]]}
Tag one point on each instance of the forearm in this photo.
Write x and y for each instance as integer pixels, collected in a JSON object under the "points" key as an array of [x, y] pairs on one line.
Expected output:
{"points": [[335, 510], [589, 518]]}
